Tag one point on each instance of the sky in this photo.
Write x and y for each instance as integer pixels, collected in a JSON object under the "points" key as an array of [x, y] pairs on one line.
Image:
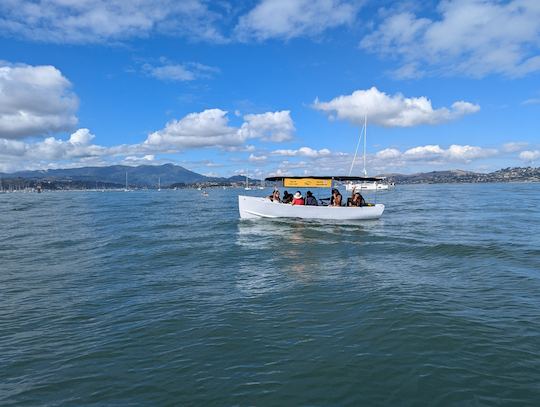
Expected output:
{"points": [[270, 87]]}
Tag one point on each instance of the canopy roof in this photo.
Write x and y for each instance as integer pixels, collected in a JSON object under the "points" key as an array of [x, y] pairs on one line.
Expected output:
{"points": [[329, 177]]}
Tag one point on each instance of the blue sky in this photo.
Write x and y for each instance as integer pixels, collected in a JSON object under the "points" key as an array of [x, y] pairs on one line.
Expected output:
{"points": [[269, 86]]}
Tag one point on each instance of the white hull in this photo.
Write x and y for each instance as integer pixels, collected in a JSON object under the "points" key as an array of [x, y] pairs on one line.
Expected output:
{"points": [[255, 208], [367, 186]]}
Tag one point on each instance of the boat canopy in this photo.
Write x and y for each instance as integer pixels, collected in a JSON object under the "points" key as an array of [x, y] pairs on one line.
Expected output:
{"points": [[318, 181]]}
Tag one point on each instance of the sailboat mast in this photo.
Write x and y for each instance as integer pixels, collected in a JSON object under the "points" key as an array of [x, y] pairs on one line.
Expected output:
{"points": [[362, 133], [365, 138], [126, 181]]}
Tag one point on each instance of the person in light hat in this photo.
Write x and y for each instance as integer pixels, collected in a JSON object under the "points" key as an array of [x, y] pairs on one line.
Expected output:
{"points": [[298, 199]]}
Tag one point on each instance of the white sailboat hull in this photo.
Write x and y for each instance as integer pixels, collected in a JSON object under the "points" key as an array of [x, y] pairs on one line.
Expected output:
{"points": [[367, 186], [255, 208]]}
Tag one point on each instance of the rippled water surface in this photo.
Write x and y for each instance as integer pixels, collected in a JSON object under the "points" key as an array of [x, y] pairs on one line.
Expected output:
{"points": [[167, 298]]}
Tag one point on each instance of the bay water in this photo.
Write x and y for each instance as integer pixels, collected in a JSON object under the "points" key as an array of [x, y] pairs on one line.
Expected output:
{"points": [[168, 298]]}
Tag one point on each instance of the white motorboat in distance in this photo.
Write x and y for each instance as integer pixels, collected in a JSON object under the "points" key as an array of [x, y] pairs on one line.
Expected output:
{"points": [[257, 207]]}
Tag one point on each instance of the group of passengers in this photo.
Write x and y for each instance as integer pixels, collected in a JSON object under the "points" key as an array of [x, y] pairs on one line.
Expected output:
{"points": [[336, 199]]}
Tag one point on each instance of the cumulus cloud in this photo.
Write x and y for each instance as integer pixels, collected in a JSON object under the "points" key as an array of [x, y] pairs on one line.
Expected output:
{"points": [[207, 128], [470, 37], [285, 19], [388, 153], [41, 154], [529, 155], [391, 110], [271, 126], [211, 128], [35, 101], [96, 21]]}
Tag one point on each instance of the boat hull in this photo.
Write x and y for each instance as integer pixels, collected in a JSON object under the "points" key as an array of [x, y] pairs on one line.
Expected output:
{"points": [[256, 208], [367, 187]]}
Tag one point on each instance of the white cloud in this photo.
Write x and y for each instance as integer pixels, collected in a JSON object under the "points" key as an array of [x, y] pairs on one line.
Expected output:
{"points": [[388, 153], [303, 152], [35, 101], [168, 71], [435, 153], [471, 37], [529, 155], [16, 154], [468, 153], [514, 146], [210, 128], [392, 110], [257, 158], [207, 128], [271, 126], [91, 21], [428, 152], [139, 160], [285, 19]]}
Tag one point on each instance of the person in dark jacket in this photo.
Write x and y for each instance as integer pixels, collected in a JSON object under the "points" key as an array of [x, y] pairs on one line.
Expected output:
{"points": [[310, 199], [287, 198]]}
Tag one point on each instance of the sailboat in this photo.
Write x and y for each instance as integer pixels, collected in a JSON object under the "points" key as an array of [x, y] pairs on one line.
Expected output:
{"points": [[159, 184], [126, 187], [247, 188], [368, 185]]}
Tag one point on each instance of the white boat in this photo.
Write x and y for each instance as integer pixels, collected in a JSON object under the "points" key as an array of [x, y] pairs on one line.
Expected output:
{"points": [[368, 186], [159, 184], [252, 207], [247, 188], [256, 207]]}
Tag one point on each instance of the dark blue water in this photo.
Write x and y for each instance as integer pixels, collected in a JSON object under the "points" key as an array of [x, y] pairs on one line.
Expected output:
{"points": [[167, 298]]}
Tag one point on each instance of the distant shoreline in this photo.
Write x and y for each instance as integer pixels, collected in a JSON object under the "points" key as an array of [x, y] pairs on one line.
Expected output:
{"points": [[171, 176]]}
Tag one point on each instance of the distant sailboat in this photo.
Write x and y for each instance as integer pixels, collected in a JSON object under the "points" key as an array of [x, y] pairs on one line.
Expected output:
{"points": [[159, 184], [126, 187], [247, 188], [370, 185]]}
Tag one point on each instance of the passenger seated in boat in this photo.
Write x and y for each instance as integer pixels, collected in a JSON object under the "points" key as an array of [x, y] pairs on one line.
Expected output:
{"points": [[275, 196], [336, 198], [298, 199], [356, 199], [287, 198], [310, 199]]}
